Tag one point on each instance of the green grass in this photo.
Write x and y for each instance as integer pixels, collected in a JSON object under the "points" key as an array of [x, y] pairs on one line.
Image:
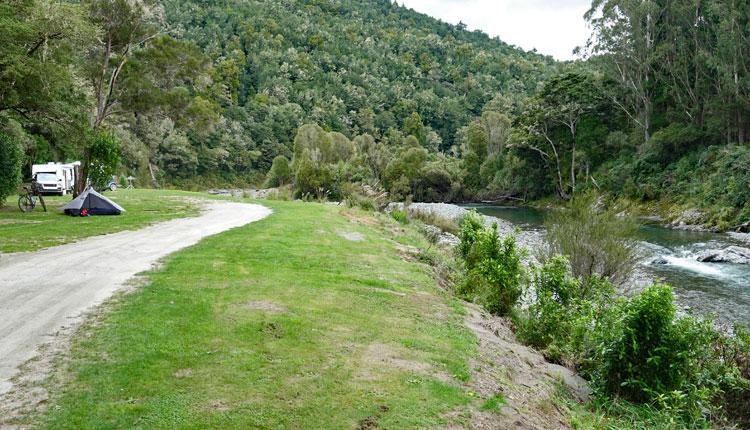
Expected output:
{"points": [[278, 324], [36, 230]]}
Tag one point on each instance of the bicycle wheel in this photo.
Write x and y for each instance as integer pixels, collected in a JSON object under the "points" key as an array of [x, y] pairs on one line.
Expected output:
{"points": [[25, 203]]}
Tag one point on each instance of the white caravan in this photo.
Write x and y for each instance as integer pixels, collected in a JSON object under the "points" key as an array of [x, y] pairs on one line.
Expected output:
{"points": [[55, 177]]}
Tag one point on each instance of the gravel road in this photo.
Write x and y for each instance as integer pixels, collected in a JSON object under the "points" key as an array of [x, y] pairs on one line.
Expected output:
{"points": [[43, 291]]}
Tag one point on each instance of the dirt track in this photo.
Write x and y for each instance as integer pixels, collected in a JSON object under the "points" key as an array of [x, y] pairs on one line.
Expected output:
{"points": [[40, 292]]}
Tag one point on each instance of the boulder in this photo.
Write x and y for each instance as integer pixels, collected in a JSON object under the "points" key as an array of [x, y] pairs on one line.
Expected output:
{"points": [[448, 239], [732, 254], [659, 261]]}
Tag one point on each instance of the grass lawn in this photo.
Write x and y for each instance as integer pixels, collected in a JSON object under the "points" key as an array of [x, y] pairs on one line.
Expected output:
{"points": [[35, 230], [308, 319]]}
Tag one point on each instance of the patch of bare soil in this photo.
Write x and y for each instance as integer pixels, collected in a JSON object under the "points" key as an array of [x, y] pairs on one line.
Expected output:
{"points": [[386, 291], [379, 355], [183, 373], [352, 236], [265, 306], [407, 253], [18, 221], [521, 375], [358, 218]]}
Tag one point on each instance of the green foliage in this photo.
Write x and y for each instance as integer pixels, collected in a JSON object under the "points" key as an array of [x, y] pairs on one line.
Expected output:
{"points": [[104, 158], [563, 312], [494, 272], [400, 216], [471, 227], [11, 156], [280, 173], [655, 356], [494, 403], [595, 239]]}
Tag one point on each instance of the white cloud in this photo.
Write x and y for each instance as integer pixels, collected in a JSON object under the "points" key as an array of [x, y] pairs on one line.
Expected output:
{"points": [[553, 27]]}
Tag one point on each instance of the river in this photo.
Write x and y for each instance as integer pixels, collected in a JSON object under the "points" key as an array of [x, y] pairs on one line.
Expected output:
{"points": [[721, 289]]}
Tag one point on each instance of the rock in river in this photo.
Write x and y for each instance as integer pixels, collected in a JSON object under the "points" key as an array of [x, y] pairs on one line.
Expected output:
{"points": [[732, 254]]}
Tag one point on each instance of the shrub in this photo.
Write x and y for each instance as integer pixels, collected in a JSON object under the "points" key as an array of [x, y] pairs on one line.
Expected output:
{"points": [[11, 157], [656, 357], [495, 274], [596, 241], [400, 216], [563, 312], [434, 218], [284, 193], [471, 226]]}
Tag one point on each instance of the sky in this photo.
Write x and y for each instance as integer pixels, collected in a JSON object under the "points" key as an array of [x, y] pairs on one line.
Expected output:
{"points": [[553, 27]]}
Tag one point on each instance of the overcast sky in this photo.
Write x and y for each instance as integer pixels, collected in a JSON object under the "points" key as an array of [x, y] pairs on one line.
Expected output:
{"points": [[553, 27]]}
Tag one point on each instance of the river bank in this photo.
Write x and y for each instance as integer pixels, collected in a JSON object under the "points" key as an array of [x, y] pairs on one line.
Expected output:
{"points": [[670, 255]]}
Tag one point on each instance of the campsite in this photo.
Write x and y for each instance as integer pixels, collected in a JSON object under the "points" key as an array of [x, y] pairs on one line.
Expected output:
{"points": [[375, 214]]}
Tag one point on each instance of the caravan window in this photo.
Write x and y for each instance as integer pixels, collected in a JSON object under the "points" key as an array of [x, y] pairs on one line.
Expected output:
{"points": [[46, 177]]}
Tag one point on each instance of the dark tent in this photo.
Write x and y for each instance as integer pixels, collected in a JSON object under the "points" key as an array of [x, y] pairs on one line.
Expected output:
{"points": [[94, 203]]}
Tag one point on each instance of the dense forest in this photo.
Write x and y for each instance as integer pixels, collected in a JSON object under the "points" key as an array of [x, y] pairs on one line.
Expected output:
{"points": [[324, 94]]}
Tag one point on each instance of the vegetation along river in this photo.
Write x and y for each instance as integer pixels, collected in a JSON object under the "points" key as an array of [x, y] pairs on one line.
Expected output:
{"points": [[671, 255]]}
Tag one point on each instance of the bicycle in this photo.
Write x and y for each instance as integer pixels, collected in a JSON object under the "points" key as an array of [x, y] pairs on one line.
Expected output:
{"points": [[27, 200]]}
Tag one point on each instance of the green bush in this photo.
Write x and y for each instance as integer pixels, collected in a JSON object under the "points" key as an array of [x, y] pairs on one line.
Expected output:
{"points": [[495, 275], [563, 313], [400, 216], [471, 226], [656, 357], [11, 156], [596, 240]]}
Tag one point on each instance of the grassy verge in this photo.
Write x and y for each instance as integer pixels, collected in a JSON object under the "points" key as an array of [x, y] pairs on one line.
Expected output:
{"points": [[36, 230], [309, 318]]}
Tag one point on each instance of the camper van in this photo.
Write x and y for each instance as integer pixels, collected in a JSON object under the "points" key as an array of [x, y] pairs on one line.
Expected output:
{"points": [[57, 178]]}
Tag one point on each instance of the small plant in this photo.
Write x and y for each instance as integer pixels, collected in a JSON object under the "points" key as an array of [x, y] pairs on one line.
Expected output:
{"points": [[400, 216], [494, 403], [494, 273]]}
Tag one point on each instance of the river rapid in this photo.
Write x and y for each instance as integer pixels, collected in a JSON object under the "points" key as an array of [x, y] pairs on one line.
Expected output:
{"points": [[721, 289]]}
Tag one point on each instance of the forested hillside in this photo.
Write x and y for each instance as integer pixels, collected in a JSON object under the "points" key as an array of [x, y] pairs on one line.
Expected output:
{"points": [[333, 93], [218, 89]]}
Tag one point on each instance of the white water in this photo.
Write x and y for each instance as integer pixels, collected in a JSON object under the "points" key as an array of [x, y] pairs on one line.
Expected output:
{"points": [[692, 265]]}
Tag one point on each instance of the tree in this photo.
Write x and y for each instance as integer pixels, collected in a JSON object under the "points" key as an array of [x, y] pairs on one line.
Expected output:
{"points": [[11, 156], [39, 46], [624, 35], [474, 151], [126, 25], [280, 173], [104, 158], [551, 126]]}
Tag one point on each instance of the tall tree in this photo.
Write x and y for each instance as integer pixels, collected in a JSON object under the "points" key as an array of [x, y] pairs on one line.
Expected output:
{"points": [[125, 26], [625, 34]]}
